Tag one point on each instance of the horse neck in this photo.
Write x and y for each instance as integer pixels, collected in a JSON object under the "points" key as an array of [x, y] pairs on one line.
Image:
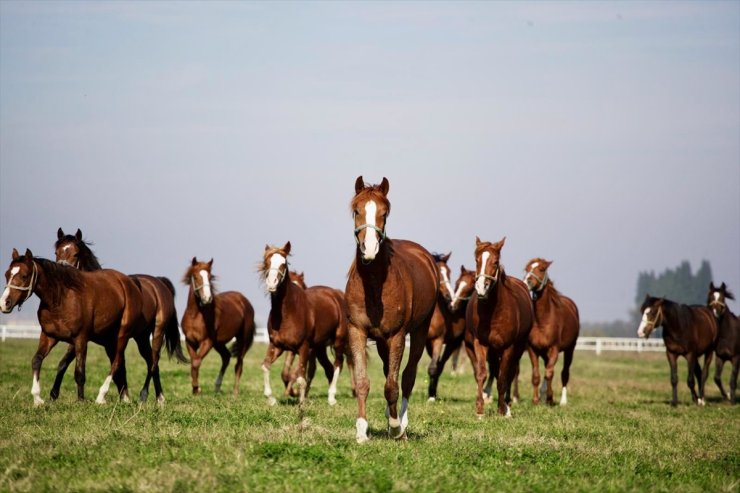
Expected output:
{"points": [[379, 266], [286, 300], [671, 317], [47, 287]]}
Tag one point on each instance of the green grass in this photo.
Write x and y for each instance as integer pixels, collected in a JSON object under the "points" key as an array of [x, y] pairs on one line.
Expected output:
{"points": [[617, 433]]}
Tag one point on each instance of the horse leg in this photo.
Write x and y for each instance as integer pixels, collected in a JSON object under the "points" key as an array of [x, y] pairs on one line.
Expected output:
{"points": [[239, 365], [117, 365], [357, 346], [673, 363], [565, 374], [156, 346], [286, 374], [450, 349], [694, 371], [121, 385], [311, 370], [718, 377], [434, 369], [481, 361], [493, 367], [145, 350], [396, 346], [535, 360], [505, 376], [225, 354], [272, 354], [46, 344], [80, 346], [304, 355], [193, 353], [733, 377], [61, 369], [331, 371], [196, 359], [552, 359], [704, 375]]}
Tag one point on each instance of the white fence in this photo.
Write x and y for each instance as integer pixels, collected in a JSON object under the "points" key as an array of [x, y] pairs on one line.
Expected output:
{"points": [[597, 344], [33, 331]]}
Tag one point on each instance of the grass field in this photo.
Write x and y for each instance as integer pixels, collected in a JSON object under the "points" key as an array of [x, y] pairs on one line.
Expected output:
{"points": [[617, 433]]}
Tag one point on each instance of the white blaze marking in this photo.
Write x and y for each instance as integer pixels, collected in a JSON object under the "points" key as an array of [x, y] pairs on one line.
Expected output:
{"points": [[446, 280], [372, 243], [6, 292], [480, 283], [104, 390], [459, 290], [273, 279], [564, 397], [716, 296], [643, 323], [206, 293]]}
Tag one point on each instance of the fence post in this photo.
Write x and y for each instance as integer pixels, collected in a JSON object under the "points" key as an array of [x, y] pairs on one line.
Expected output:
{"points": [[598, 346]]}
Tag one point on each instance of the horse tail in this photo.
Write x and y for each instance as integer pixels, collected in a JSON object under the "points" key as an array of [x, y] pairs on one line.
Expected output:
{"points": [[172, 339], [168, 283]]}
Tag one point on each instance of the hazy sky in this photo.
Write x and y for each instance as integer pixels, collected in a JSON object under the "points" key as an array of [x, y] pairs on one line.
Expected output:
{"points": [[602, 135]]}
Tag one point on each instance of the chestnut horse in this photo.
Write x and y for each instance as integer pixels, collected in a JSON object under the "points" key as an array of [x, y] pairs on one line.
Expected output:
{"points": [[728, 340], [500, 317], [287, 375], [213, 319], [76, 307], [391, 292], [688, 331], [302, 321], [158, 312], [447, 328], [555, 329]]}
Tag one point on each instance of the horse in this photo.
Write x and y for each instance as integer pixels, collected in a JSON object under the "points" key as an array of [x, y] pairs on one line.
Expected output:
{"points": [[213, 319], [302, 321], [728, 340], [299, 279], [447, 328], [391, 292], [103, 306], [158, 312], [688, 331], [500, 316], [555, 329]]}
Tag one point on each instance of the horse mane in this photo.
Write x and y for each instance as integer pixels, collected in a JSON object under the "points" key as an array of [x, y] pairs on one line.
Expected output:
{"points": [[374, 191], [60, 278], [188, 274], [729, 295], [437, 257], [88, 260]]}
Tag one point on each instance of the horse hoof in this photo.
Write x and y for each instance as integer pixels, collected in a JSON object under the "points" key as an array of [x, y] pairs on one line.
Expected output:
{"points": [[479, 416], [160, 400], [332, 401], [100, 400], [143, 396], [271, 401], [432, 399], [38, 401], [196, 390]]}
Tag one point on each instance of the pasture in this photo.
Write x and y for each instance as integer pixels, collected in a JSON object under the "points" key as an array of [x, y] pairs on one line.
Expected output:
{"points": [[617, 433]]}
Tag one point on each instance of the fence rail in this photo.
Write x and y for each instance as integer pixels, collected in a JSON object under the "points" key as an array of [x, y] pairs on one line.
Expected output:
{"points": [[597, 344]]}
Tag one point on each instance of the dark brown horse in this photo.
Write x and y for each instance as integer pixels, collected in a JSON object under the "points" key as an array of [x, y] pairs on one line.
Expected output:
{"points": [[158, 313], [76, 307], [302, 321], [501, 318], [555, 329], [213, 319], [391, 292], [688, 331], [447, 327], [728, 340]]}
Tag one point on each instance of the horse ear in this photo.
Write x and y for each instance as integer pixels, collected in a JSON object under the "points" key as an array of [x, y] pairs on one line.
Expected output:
{"points": [[60, 234], [78, 235], [287, 248], [445, 258], [359, 185], [499, 244], [195, 261], [210, 263], [548, 263], [15, 254], [29, 255], [477, 240], [711, 286], [723, 286], [384, 186], [462, 269]]}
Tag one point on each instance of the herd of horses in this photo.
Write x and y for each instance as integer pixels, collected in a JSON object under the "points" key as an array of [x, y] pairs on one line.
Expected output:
{"points": [[396, 290]]}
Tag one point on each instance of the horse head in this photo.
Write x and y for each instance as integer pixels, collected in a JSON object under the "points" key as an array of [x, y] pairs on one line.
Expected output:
{"points": [[20, 281], [487, 265], [445, 285], [717, 298], [200, 278], [298, 278], [463, 287], [536, 276], [652, 315], [370, 209], [275, 266]]}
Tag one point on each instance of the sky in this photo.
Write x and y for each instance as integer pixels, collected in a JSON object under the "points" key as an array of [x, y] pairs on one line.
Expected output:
{"points": [[604, 136]]}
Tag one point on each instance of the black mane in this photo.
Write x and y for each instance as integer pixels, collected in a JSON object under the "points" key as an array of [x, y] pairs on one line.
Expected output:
{"points": [[88, 260]]}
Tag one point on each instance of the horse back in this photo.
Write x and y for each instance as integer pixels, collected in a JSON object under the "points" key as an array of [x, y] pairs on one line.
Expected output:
{"points": [[115, 300], [233, 311]]}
